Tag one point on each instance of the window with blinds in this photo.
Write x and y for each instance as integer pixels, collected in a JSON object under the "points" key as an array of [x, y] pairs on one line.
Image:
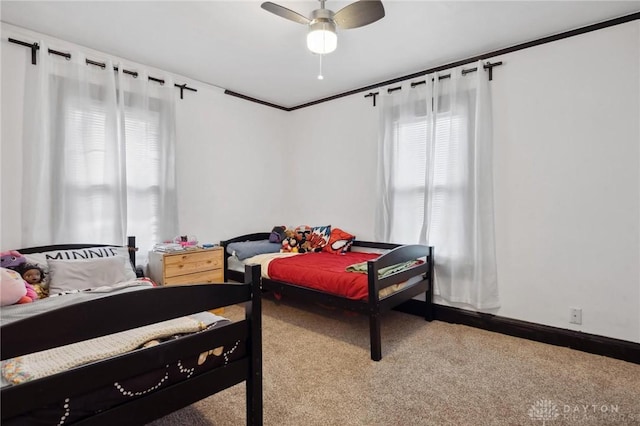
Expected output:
{"points": [[90, 180], [144, 156], [409, 178]]}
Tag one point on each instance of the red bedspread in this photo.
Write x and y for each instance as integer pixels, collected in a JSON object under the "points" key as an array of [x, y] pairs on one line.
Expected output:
{"points": [[324, 271]]}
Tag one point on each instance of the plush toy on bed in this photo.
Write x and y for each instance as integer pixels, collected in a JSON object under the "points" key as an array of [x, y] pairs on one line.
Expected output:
{"points": [[289, 242], [34, 275], [13, 261], [14, 289], [277, 234]]}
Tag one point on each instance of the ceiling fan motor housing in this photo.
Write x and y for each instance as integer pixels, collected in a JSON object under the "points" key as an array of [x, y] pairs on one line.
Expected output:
{"points": [[321, 14]]}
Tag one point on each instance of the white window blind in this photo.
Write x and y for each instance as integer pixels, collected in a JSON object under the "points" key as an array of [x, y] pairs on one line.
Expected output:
{"points": [[409, 180], [85, 157], [143, 150]]}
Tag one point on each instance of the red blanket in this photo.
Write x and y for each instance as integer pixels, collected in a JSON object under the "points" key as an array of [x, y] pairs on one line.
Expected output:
{"points": [[324, 271]]}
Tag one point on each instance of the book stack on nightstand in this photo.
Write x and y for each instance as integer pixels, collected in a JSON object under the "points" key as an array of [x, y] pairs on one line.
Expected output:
{"points": [[192, 266]]}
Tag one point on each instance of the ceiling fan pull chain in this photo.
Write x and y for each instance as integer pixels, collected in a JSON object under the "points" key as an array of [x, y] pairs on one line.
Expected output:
{"points": [[320, 76]]}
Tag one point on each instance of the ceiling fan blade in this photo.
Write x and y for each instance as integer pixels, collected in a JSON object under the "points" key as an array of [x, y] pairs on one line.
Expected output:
{"points": [[284, 12], [359, 14]]}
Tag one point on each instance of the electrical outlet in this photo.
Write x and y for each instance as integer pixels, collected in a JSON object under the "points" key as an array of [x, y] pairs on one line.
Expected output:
{"points": [[576, 316]]}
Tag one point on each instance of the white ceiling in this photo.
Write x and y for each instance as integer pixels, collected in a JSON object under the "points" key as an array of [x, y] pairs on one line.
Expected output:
{"points": [[238, 46]]}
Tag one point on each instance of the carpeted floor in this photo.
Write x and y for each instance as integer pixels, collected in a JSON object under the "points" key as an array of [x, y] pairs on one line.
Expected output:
{"points": [[317, 371]]}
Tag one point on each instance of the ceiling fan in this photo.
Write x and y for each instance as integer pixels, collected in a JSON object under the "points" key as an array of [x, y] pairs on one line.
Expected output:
{"points": [[322, 38]]}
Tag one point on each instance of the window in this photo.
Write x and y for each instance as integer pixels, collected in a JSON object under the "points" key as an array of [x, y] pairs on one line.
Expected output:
{"points": [[436, 182], [410, 173], [87, 172], [144, 182], [99, 155]]}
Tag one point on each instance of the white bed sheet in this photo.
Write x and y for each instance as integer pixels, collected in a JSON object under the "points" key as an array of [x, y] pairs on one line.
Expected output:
{"points": [[235, 264]]}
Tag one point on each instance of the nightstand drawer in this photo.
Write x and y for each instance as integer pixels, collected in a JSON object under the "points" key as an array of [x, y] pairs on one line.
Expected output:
{"points": [[189, 263], [206, 277]]}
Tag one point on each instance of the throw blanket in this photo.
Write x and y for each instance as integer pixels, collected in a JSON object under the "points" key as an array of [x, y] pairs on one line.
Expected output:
{"points": [[40, 364], [264, 259], [384, 272]]}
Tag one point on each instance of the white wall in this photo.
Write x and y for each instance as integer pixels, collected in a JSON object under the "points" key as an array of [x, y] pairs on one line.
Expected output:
{"points": [[567, 182], [230, 165], [567, 163], [567, 185], [332, 151], [229, 152]]}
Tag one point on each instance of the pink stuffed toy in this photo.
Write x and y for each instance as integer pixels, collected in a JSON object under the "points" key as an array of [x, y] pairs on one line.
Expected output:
{"points": [[31, 294], [14, 289], [13, 261]]}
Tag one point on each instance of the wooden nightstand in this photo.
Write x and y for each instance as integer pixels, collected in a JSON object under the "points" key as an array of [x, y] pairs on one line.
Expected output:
{"points": [[197, 266]]}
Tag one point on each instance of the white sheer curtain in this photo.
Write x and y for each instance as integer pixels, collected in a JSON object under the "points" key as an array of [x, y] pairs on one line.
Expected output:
{"points": [[98, 155], [73, 187], [436, 181], [147, 111]]}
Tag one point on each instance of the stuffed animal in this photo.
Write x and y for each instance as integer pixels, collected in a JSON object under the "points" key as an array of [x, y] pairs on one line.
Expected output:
{"points": [[302, 235], [31, 294], [289, 242], [277, 234], [14, 288], [11, 259]]}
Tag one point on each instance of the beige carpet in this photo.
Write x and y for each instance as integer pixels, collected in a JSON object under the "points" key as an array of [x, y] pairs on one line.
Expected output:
{"points": [[317, 371]]}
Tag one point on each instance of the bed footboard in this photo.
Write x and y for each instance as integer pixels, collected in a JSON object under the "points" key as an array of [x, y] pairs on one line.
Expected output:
{"points": [[416, 279], [131, 310]]}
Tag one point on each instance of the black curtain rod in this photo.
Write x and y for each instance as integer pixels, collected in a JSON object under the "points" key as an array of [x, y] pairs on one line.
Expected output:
{"points": [[35, 47], [488, 66]]}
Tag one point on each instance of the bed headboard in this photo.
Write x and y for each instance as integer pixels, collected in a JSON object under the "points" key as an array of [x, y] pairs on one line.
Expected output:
{"points": [[131, 247]]}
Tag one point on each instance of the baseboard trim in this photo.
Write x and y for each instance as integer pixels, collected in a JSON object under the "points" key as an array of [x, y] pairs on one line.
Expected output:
{"points": [[591, 343]]}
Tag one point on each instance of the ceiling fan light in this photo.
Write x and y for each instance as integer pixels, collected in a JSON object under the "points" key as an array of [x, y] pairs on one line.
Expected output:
{"points": [[322, 38]]}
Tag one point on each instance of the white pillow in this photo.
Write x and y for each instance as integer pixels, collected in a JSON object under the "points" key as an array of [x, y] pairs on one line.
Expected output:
{"points": [[67, 275], [89, 253]]}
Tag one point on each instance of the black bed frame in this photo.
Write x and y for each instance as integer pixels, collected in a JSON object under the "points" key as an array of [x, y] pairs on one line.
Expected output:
{"points": [[136, 309], [373, 307]]}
